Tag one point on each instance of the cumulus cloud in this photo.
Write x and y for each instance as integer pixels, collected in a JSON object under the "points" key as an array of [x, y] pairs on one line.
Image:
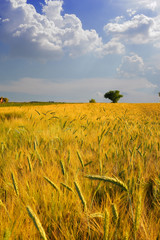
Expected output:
{"points": [[112, 47], [134, 69], [139, 29], [131, 66], [52, 11], [28, 33], [47, 35]]}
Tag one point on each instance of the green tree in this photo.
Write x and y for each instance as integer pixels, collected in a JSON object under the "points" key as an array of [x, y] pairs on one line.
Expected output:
{"points": [[92, 101], [114, 96], [5, 100]]}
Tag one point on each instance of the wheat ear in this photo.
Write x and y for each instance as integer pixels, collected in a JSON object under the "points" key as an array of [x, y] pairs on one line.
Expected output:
{"points": [[115, 213], [29, 164], [80, 159], [62, 167], [36, 222], [15, 184], [80, 194], [52, 184], [115, 181], [66, 186]]}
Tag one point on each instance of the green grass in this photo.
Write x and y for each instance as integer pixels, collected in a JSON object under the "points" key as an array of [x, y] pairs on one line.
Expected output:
{"points": [[21, 104]]}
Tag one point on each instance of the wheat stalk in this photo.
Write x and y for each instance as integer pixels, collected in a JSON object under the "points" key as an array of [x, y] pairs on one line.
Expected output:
{"points": [[7, 234], [2, 204], [29, 164], [106, 225], [115, 213], [115, 219], [115, 181], [36, 222], [15, 184], [66, 186], [137, 215], [69, 156], [37, 112], [80, 159], [86, 164], [80, 194], [52, 184], [96, 215], [62, 167], [126, 236], [39, 158], [84, 205]]}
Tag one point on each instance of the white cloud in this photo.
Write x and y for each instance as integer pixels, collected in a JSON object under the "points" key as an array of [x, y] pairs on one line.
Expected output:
{"points": [[119, 19], [52, 10], [152, 5], [150, 85], [112, 47], [17, 3], [131, 66], [5, 20], [131, 12], [140, 29], [47, 35], [137, 72]]}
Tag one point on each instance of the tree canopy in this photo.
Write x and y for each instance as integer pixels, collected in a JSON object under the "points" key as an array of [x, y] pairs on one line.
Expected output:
{"points": [[114, 96], [92, 101], [4, 100]]}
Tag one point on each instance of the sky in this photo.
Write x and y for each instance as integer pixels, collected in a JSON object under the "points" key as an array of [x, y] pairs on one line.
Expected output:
{"points": [[73, 51]]}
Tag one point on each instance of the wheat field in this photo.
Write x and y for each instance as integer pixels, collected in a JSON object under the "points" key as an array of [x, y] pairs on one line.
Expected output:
{"points": [[80, 171]]}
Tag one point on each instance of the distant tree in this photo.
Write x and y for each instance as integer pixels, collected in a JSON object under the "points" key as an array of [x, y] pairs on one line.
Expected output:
{"points": [[114, 96], [5, 100], [92, 101]]}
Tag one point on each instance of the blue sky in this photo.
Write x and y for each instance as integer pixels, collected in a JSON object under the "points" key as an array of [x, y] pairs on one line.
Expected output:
{"points": [[54, 50]]}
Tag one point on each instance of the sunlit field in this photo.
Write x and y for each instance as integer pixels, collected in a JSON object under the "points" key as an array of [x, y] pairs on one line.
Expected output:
{"points": [[80, 171]]}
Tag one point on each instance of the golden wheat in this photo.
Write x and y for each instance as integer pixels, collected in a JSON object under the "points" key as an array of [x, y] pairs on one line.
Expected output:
{"points": [[110, 153], [36, 222]]}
